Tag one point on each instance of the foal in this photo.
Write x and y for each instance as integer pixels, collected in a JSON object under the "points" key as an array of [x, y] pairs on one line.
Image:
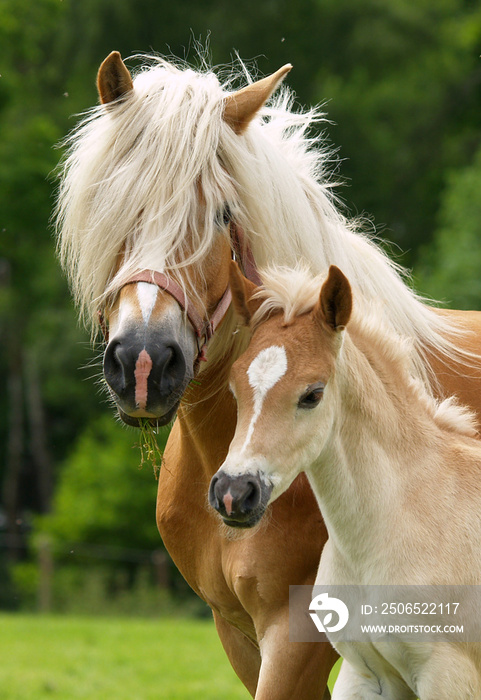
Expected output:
{"points": [[396, 474]]}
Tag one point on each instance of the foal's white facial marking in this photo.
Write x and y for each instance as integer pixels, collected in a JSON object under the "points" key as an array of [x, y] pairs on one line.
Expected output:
{"points": [[147, 296], [264, 371]]}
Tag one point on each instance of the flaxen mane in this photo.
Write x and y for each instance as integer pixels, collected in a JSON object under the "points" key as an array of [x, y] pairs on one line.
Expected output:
{"points": [[150, 176]]}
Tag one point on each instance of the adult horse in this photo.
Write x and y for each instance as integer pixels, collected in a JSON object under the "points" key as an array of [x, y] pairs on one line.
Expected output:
{"points": [[164, 181]]}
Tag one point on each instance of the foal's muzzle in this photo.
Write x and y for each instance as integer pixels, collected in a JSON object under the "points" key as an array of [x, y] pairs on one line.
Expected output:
{"points": [[240, 500]]}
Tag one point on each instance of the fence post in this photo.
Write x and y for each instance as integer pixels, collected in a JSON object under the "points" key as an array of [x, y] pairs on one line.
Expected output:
{"points": [[45, 565], [160, 561]]}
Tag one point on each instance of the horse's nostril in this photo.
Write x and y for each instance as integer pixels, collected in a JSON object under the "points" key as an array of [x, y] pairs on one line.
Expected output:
{"points": [[171, 370], [252, 497], [170, 362], [113, 366]]}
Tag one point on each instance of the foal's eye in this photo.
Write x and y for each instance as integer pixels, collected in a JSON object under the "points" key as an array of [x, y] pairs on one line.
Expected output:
{"points": [[312, 396], [223, 216]]}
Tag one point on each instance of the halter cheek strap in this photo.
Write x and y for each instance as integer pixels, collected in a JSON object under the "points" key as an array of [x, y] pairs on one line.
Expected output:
{"points": [[243, 253]]}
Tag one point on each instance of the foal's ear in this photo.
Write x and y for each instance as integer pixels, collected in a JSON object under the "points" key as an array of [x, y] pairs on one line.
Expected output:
{"points": [[242, 290], [242, 106], [335, 302], [113, 79]]}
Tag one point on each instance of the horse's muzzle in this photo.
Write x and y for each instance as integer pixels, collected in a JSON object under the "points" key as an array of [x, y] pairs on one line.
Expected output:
{"points": [[240, 500], [146, 379]]}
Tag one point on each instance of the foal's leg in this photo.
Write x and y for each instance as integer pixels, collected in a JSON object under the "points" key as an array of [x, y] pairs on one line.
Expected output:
{"points": [[351, 685], [293, 670], [449, 674], [243, 655]]}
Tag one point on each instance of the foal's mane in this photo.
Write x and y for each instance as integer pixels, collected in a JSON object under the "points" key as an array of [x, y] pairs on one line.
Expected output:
{"points": [[294, 292], [149, 175]]}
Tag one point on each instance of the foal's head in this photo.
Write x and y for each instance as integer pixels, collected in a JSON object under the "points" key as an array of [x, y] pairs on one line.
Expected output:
{"points": [[283, 389]]}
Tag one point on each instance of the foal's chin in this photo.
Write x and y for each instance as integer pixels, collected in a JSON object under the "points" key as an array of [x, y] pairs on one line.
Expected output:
{"points": [[245, 524]]}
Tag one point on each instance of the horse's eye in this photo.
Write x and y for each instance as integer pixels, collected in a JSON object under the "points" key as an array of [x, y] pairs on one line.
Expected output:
{"points": [[223, 216], [312, 396], [226, 215]]}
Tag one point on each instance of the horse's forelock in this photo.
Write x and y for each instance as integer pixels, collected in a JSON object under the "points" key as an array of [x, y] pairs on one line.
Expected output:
{"points": [[131, 180]]}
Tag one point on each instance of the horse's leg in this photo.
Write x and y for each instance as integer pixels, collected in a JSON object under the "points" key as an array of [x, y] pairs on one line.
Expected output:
{"points": [[293, 670], [243, 655]]}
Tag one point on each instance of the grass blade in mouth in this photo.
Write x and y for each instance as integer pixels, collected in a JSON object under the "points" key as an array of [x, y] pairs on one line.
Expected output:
{"points": [[150, 452]]}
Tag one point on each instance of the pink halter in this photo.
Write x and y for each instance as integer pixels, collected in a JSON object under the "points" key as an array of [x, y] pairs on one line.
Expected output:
{"points": [[204, 328]]}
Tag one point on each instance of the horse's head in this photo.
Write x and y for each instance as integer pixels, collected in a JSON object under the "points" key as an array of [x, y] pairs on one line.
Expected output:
{"points": [[164, 303], [283, 386]]}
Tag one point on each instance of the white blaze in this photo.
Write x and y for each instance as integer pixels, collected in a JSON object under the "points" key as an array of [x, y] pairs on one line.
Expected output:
{"points": [[264, 371], [147, 295]]}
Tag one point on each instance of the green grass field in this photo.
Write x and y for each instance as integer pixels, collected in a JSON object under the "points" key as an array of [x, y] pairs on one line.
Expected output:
{"points": [[102, 659], [113, 658]]}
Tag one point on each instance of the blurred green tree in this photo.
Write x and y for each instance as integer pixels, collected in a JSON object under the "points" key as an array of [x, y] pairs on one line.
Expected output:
{"points": [[102, 496], [450, 269], [41, 348], [403, 80]]}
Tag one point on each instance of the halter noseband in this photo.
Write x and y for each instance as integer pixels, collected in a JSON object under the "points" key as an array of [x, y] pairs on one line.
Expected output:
{"points": [[204, 328]]}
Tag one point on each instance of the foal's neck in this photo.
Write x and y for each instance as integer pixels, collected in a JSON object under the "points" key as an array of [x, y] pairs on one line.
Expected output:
{"points": [[383, 446]]}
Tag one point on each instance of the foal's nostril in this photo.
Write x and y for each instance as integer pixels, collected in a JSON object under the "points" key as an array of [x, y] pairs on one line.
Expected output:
{"points": [[213, 500], [252, 497]]}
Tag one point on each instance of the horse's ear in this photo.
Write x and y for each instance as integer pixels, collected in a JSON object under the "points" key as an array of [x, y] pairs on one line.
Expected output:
{"points": [[242, 290], [335, 301], [242, 106], [113, 79]]}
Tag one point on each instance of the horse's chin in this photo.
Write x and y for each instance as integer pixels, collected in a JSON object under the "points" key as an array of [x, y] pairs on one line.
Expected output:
{"points": [[154, 421]]}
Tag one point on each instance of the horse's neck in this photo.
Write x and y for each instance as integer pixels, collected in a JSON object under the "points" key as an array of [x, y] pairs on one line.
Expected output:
{"points": [[208, 412]]}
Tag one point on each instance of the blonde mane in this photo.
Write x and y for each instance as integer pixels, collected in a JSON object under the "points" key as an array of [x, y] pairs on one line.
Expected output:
{"points": [[294, 292], [290, 291], [148, 177]]}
